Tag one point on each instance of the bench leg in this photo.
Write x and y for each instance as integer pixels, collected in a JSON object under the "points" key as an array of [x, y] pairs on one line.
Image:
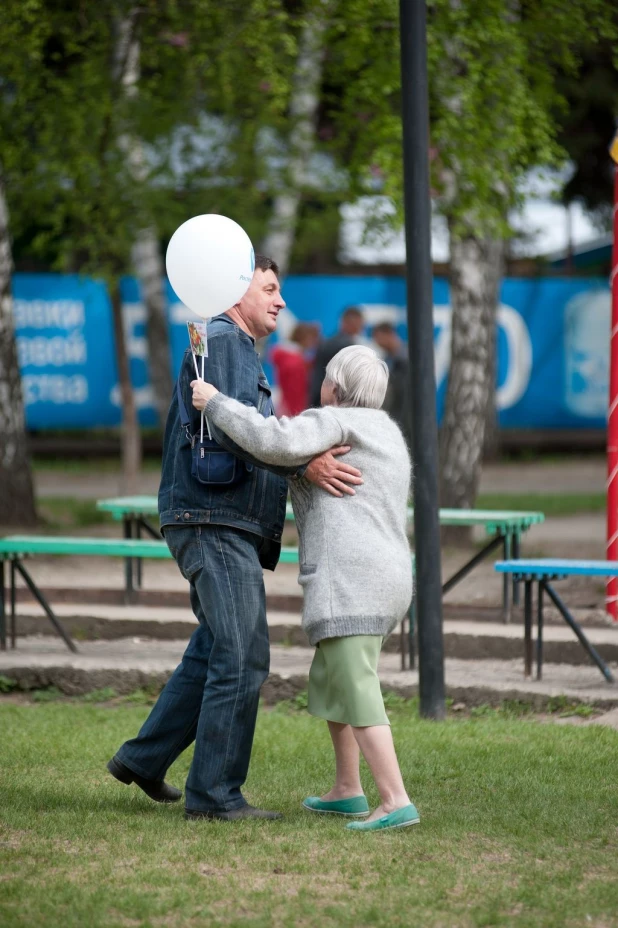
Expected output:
{"points": [[588, 647], [471, 564], [516, 554], [2, 608], [539, 637], [13, 610], [45, 606], [138, 562], [128, 563], [147, 527], [506, 582], [528, 628]]}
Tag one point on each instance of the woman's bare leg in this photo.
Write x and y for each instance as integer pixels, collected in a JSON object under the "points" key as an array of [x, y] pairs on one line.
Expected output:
{"points": [[347, 758], [376, 744]]}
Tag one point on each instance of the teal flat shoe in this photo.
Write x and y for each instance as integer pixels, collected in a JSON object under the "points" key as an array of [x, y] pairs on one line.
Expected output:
{"points": [[357, 806], [401, 818]]}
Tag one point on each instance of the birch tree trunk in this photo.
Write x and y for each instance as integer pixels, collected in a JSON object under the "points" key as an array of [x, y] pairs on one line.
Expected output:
{"points": [[279, 240], [131, 440], [148, 265], [491, 441], [17, 505], [475, 267], [146, 253]]}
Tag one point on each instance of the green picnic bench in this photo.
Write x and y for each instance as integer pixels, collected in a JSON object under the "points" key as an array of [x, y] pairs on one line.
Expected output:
{"points": [[505, 529], [14, 549], [543, 571]]}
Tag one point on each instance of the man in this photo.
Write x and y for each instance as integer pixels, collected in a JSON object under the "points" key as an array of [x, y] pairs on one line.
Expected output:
{"points": [[221, 536], [351, 327], [397, 403]]}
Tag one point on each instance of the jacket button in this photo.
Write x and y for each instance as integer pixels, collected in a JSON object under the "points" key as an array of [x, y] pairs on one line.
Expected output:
{"points": [[177, 517], [187, 516]]}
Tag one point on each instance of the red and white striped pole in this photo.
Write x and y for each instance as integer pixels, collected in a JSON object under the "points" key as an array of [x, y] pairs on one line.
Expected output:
{"points": [[611, 596]]}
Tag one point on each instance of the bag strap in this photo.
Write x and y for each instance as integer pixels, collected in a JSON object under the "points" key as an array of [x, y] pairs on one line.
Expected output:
{"points": [[185, 421]]}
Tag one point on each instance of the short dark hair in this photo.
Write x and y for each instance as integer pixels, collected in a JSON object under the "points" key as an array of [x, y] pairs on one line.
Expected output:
{"points": [[384, 328], [352, 311], [267, 264]]}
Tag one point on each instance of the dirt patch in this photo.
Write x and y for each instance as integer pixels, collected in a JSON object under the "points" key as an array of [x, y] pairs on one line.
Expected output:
{"points": [[13, 840]]}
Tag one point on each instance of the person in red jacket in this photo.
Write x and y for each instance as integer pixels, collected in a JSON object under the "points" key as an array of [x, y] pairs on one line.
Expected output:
{"points": [[293, 362]]}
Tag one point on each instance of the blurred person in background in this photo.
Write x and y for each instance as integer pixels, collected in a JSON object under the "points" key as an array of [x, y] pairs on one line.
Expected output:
{"points": [[293, 363], [398, 402], [351, 326]]}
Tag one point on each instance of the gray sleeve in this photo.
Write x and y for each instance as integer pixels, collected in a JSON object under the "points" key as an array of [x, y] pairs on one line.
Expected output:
{"points": [[287, 441]]}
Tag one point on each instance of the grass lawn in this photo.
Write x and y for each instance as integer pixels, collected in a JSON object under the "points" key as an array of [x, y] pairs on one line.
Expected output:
{"points": [[552, 504], [519, 827]]}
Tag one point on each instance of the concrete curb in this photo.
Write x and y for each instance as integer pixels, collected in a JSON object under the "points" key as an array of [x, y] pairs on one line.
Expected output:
{"points": [[480, 641], [77, 682]]}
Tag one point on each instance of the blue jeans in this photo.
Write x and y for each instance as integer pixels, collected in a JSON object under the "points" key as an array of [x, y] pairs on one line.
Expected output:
{"points": [[212, 696]]}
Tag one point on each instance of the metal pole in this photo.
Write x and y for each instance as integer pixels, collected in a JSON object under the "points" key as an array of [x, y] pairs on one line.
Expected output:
{"points": [[415, 117], [611, 598]]}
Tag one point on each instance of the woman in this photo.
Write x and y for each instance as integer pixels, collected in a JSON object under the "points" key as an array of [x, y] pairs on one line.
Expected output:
{"points": [[354, 566]]}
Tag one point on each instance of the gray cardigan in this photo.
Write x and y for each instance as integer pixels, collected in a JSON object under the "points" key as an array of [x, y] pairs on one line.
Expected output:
{"points": [[355, 564]]}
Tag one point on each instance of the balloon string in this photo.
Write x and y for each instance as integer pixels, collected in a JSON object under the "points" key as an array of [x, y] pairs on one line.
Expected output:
{"points": [[202, 415]]}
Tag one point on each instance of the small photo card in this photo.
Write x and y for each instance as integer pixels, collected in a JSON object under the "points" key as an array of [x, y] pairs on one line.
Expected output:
{"points": [[198, 338]]}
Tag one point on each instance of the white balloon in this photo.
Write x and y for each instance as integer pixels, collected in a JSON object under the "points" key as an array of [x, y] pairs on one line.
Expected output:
{"points": [[210, 263]]}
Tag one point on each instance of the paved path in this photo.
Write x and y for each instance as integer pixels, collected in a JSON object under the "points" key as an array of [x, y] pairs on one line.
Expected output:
{"points": [[573, 474], [126, 663]]}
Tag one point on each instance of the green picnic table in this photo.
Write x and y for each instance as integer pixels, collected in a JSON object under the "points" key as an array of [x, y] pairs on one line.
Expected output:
{"points": [[15, 548], [505, 529]]}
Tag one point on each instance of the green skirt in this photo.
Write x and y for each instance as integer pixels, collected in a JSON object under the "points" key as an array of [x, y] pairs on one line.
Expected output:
{"points": [[343, 681]]}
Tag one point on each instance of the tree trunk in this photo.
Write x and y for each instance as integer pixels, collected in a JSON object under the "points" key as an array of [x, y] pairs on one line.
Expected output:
{"points": [[17, 505], [495, 271], [279, 240], [473, 301], [146, 252], [130, 433], [148, 266]]}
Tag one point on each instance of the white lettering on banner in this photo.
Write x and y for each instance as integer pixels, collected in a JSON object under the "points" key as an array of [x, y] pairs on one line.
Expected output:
{"points": [[519, 357], [442, 342], [56, 351], [46, 314], [54, 388], [143, 396], [134, 314], [181, 314], [519, 346], [375, 313]]}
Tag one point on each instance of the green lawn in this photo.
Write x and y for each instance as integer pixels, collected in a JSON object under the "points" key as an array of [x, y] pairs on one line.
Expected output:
{"points": [[519, 827], [552, 504]]}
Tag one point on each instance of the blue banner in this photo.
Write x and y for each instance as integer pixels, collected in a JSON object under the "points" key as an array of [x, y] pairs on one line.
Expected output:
{"points": [[553, 344]]}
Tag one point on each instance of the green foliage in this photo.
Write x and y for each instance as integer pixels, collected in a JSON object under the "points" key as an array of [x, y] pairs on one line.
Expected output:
{"points": [[494, 97], [552, 504], [7, 684], [565, 707], [102, 695], [47, 694], [143, 697], [210, 125], [67, 512]]}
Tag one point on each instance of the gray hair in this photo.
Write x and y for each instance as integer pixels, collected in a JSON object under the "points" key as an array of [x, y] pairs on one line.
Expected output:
{"points": [[359, 376]]}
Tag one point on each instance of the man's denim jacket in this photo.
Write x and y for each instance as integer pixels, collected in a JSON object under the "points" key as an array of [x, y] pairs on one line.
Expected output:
{"points": [[257, 502]]}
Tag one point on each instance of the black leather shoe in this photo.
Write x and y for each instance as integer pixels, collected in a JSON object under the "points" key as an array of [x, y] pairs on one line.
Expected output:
{"points": [[155, 789], [233, 815]]}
